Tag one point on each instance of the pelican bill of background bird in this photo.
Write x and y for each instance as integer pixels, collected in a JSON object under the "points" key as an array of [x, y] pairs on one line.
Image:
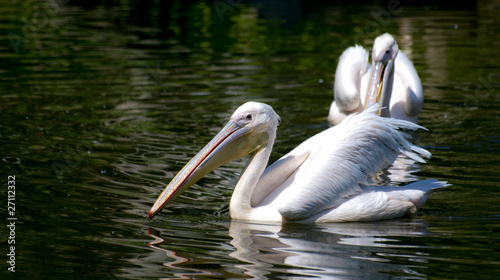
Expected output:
{"points": [[325, 179], [391, 80]]}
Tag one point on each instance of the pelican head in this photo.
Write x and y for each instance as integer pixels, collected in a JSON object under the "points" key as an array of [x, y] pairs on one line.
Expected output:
{"points": [[249, 129], [385, 50]]}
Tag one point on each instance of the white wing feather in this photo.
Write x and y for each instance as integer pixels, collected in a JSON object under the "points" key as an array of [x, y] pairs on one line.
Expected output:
{"points": [[343, 158]]}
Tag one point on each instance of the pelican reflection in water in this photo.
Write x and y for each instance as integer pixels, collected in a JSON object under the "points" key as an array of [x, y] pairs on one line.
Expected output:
{"points": [[327, 178], [327, 251], [264, 251], [391, 80]]}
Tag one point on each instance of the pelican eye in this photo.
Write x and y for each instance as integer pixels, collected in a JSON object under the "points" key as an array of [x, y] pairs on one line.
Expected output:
{"points": [[249, 117], [387, 51]]}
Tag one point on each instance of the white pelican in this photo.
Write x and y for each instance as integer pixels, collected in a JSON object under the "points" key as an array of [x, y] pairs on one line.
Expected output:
{"points": [[324, 179], [392, 81]]}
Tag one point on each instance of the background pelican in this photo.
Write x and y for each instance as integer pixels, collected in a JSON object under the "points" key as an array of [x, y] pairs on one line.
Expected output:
{"points": [[324, 179], [391, 80]]}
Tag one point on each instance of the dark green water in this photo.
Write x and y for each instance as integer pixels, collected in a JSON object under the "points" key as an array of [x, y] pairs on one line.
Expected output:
{"points": [[102, 102]]}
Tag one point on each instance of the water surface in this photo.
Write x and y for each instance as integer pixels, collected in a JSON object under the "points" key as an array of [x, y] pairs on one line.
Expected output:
{"points": [[102, 102]]}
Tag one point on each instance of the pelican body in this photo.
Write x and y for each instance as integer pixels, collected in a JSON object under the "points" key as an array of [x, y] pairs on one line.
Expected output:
{"points": [[391, 80], [327, 178]]}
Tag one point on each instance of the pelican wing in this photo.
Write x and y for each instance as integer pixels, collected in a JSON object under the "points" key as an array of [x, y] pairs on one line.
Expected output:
{"points": [[277, 174], [343, 158], [352, 67]]}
